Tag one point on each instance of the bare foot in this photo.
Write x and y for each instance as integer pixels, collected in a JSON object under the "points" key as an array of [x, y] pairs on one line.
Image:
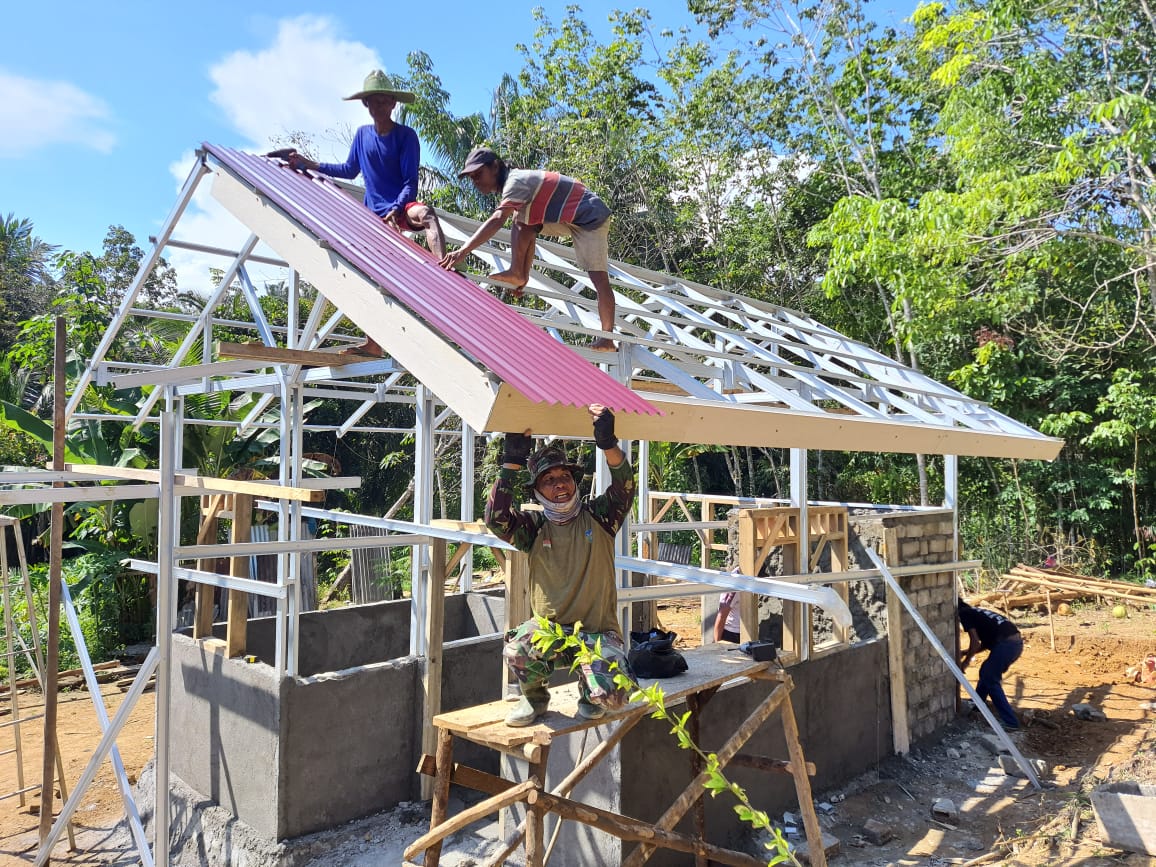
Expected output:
{"points": [[604, 344], [507, 278]]}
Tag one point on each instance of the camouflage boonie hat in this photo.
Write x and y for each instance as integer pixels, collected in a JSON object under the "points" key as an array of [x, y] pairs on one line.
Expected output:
{"points": [[547, 458]]}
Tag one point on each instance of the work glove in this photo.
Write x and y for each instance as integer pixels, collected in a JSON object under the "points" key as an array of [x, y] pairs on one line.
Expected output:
{"points": [[604, 436], [516, 449]]}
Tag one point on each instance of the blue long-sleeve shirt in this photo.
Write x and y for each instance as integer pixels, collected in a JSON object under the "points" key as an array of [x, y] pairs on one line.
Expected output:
{"points": [[388, 164]]}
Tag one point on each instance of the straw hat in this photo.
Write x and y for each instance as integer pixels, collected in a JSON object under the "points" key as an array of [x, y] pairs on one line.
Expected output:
{"points": [[378, 82]]}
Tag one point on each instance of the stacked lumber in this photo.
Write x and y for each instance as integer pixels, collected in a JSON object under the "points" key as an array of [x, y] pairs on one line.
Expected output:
{"points": [[1029, 586]]}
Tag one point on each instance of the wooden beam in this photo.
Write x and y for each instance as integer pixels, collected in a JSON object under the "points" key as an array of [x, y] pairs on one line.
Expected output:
{"points": [[803, 785], [55, 577], [440, 794], [900, 733], [431, 680], [517, 578], [632, 830], [279, 355], [207, 484], [769, 765], [695, 790], [470, 815], [692, 420], [236, 632]]}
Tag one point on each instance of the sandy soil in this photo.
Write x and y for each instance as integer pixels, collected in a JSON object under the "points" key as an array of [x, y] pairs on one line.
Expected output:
{"points": [[1000, 817]]}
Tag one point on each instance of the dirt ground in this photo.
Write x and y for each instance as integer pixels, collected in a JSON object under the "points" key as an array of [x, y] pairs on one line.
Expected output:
{"points": [[1002, 820]]}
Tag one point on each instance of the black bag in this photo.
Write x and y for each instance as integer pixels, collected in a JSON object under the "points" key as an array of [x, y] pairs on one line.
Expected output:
{"points": [[652, 654]]}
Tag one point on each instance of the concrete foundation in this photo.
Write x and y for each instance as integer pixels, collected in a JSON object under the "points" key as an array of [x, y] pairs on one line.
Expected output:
{"points": [[292, 755]]}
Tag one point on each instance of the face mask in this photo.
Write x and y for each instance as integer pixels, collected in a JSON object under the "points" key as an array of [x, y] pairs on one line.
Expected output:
{"points": [[560, 513]]}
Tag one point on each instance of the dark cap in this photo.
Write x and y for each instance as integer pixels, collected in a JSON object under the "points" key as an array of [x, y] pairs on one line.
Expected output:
{"points": [[480, 156], [547, 458]]}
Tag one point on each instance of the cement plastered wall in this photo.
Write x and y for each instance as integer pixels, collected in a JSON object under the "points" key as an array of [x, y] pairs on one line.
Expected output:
{"points": [[841, 703], [909, 539], [301, 754], [226, 726], [578, 845]]}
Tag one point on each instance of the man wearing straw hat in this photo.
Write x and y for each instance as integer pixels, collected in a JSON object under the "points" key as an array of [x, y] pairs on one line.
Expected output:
{"points": [[387, 155]]}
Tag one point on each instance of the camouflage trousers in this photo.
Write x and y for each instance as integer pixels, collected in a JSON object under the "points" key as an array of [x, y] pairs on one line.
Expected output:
{"points": [[532, 666]]}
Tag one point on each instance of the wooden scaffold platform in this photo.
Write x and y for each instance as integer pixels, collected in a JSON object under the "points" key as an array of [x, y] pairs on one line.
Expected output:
{"points": [[710, 669]]}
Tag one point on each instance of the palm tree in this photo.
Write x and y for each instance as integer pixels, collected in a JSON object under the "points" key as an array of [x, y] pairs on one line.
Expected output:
{"points": [[25, 281]]}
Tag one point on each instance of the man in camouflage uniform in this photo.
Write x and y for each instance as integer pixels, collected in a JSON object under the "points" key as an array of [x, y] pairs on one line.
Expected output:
{"points": [[571, 548]]}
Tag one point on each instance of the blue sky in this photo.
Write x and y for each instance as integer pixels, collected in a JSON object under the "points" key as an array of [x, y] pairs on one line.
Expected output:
{"points": [[102, 105]]}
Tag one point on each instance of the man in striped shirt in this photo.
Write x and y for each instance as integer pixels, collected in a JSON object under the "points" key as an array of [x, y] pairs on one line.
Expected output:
{"points": [[549, 203]]}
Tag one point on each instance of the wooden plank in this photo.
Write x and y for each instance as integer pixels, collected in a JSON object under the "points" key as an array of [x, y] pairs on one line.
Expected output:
{"points": [[709, 666], [724, 423], [431, 680], [237, 625], [208, 484], [279, 355]]}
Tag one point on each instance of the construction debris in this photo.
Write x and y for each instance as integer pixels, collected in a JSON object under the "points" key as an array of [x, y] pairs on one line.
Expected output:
{"points": [[1087, 712], [1031, 587]]}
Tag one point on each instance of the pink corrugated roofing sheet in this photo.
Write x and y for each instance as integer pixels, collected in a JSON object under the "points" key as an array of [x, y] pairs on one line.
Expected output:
{"points": [[479, 324]]}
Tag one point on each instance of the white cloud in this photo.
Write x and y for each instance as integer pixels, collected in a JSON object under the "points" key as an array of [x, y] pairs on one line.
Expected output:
{"points": [[296, 83], [207, 222], [38, 113]]}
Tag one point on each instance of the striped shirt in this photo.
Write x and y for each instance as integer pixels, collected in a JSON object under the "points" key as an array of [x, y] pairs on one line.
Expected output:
{"points": [[548, 197]]}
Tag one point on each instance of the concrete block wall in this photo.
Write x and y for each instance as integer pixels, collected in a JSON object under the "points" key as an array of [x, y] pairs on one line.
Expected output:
{"points": [[910, 539]]}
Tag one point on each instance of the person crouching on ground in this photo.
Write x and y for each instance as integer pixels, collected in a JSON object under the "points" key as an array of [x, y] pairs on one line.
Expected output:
{"points": [[990, 631], [546, 203], [571, 548]]}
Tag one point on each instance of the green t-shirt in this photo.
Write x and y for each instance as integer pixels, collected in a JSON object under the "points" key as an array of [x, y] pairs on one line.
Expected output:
{"points": [[571, 564]]}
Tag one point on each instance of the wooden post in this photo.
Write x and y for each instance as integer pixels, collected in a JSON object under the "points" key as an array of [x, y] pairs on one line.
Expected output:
{"points": [[432, 672], [236, 632], [203, 612], [55, 576], [803, 785], [536, 813], [900, 734], [441, 790], [696, 768], [748, 565], [1051, 620], [518, 611]]}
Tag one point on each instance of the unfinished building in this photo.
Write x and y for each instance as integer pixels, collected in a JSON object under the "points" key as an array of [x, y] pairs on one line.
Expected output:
{"points": [[301, 720]]}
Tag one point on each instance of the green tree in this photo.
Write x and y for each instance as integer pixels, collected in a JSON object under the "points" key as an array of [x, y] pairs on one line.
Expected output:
{"points": [[25, 278]]}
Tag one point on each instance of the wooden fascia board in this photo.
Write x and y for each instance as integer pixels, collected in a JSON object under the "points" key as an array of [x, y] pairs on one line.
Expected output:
{"points": [[697, 421], [457, 381]]}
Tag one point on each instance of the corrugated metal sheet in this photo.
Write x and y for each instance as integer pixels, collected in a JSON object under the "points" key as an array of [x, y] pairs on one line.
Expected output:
{"points": [[479, 324]]}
